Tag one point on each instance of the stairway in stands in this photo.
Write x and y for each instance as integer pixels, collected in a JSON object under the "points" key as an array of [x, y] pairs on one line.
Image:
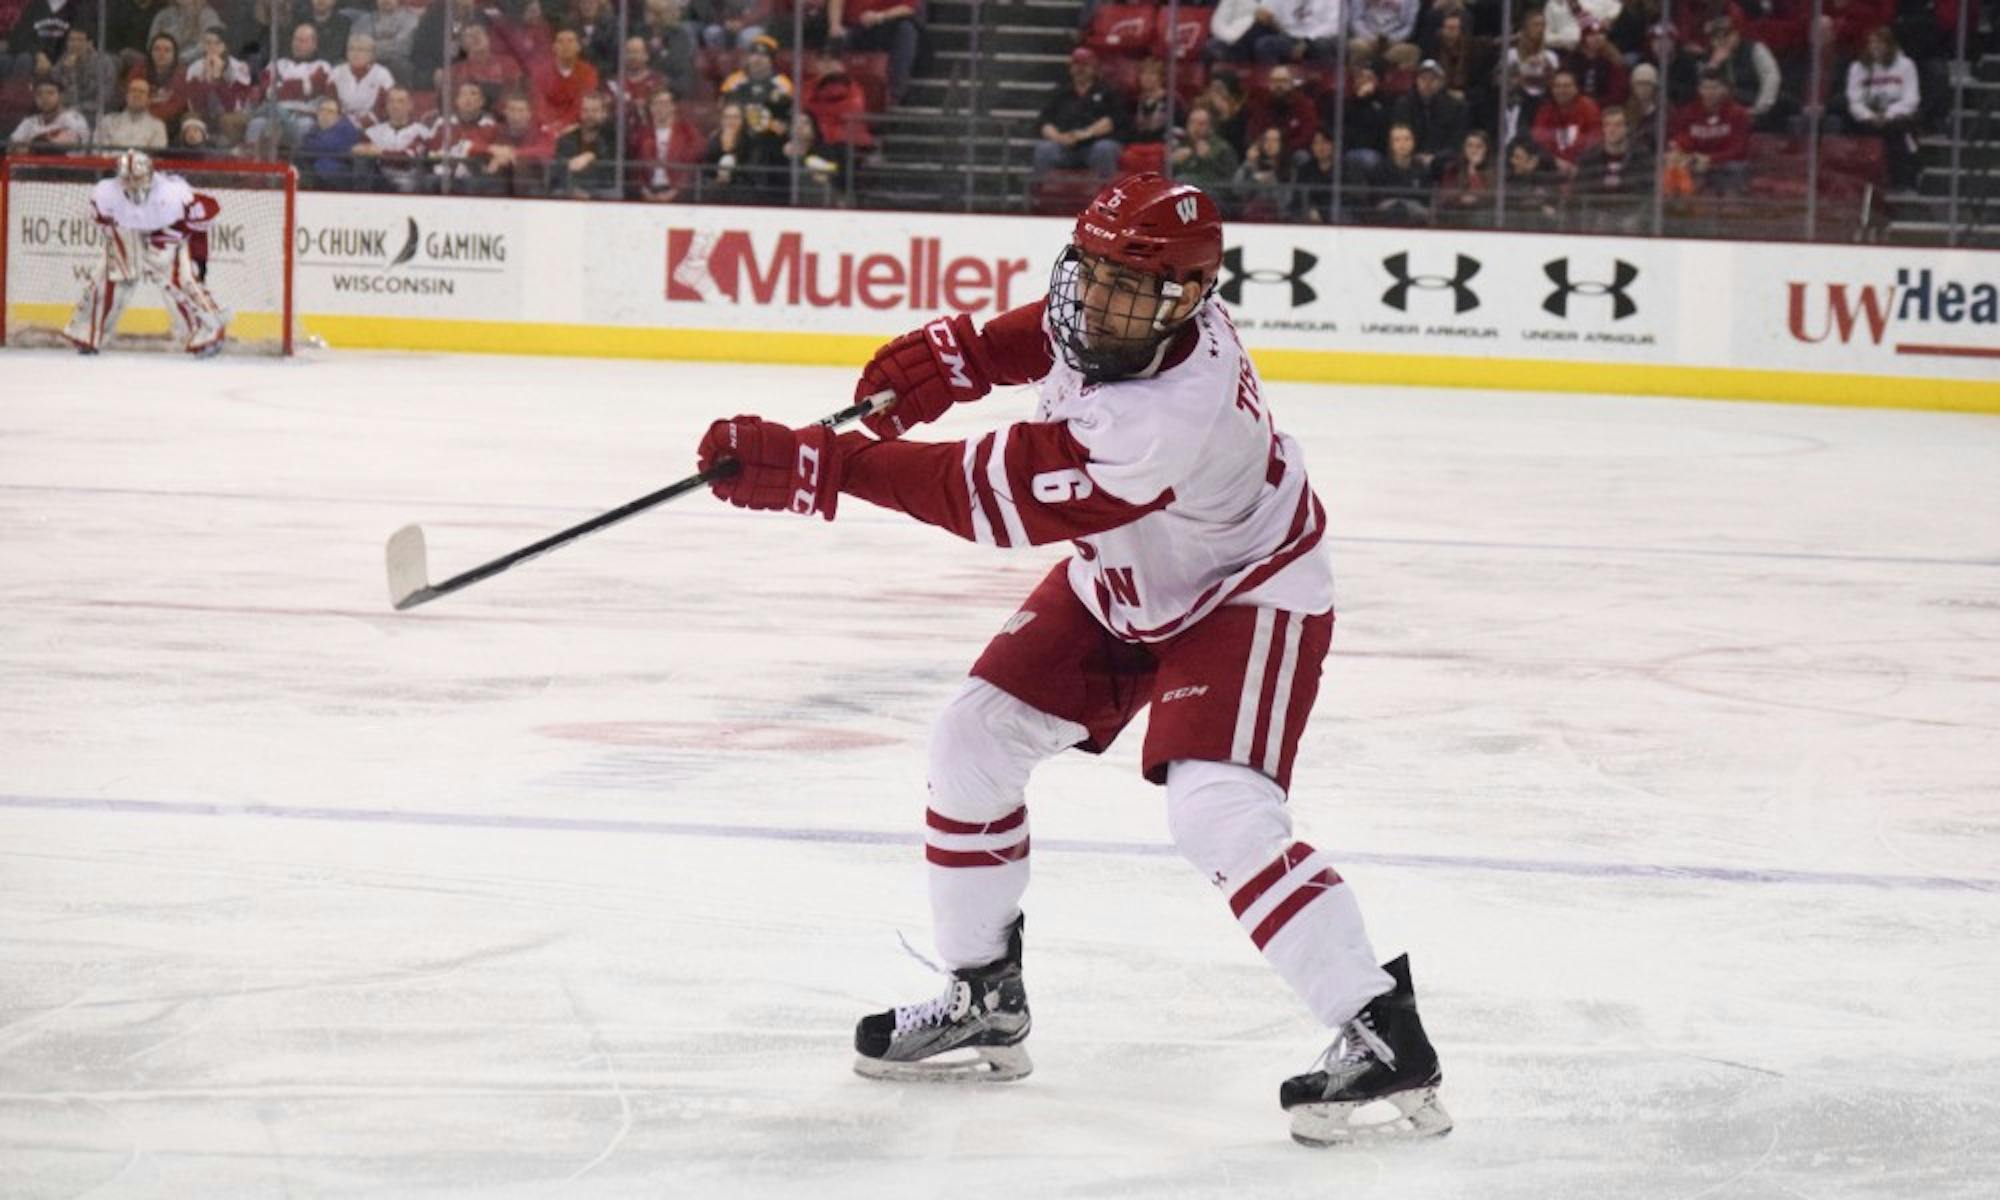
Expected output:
{"points": [[962, 139], [1924, 215]]}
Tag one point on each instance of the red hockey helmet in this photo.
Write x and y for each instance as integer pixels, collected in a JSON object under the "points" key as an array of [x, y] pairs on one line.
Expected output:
{"points": [[1145, 254], [1153, 225]]}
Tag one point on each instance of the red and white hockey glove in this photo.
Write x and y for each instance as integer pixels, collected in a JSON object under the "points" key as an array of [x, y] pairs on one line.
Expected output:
{"points": [[930, 370], [777, 468]]}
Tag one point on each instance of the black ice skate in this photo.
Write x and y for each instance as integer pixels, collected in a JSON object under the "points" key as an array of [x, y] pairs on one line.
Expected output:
{"points": [[973, 1032], [1380, 1064]]}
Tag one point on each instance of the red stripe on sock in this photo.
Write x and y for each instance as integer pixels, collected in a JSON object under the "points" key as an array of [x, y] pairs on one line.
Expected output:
{"points": [[1309, 891], [977, 858], [1261, 882], [944, 824]]}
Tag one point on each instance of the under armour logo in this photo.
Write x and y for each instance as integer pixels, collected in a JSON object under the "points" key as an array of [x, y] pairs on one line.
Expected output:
{"points": [[1622, 275], [1464, 299], [1184, 209], [1302, 264]]}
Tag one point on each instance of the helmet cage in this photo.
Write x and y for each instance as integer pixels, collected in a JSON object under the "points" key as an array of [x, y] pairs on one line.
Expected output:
{"points": [[135, 175], [1111, 320]]}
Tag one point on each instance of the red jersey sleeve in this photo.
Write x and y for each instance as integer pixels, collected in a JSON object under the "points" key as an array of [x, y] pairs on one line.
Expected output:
{"points": [[1025, 484], [1015, 347]]}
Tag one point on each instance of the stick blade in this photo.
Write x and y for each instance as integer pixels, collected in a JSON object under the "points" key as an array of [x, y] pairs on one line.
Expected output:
{"points": [[408, 572]]}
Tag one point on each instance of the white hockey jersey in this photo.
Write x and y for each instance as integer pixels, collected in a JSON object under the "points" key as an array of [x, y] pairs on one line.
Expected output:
{"points": [[1176, 488], [1243, 524], [171, 209]]}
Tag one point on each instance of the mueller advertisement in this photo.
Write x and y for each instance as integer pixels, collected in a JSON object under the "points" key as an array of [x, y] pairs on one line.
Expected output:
{"points": [[1496, 309]]}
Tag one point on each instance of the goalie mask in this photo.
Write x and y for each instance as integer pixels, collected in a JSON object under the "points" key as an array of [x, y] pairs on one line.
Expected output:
{"points": [[135, 175], [1143, 258]]}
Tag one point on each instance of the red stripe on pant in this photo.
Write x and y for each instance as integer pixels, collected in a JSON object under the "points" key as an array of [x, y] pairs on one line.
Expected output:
{"points": [[944, 824], [977, 858], [1267, 697], [1309, 891], [1262, 881]]}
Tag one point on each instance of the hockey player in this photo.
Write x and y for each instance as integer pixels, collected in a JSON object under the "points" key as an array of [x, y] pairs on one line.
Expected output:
{"points": [[155, 229], [1199, 585]]}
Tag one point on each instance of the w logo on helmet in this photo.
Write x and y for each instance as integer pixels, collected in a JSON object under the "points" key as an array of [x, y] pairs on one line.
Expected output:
{"points": [[1184, 209]]}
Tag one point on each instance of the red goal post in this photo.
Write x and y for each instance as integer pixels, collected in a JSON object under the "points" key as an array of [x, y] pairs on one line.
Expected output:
{"points": [[50, 246]]}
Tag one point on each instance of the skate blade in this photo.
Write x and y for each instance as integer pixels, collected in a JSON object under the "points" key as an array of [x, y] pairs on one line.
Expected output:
{"points": [[987, 1064], [1400, 1116]]}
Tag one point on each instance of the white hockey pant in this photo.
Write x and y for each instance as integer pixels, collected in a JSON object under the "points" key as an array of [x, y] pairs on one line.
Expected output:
{"points": [[198, 321], [1229, 821]]}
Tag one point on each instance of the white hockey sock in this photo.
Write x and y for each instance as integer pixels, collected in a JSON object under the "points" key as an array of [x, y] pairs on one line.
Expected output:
{"points": [[1231, 823], [977, 876], [983, 748]]}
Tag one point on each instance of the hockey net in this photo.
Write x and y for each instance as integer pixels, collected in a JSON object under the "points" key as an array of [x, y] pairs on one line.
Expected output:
{"points": [[53, 248]]}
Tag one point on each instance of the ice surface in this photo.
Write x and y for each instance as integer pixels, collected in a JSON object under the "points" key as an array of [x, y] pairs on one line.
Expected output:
{"points": [[1663, 734]]}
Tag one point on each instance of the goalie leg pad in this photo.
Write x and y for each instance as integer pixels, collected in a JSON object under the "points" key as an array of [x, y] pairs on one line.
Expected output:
{"points": [[95, 319], [198, 320], [123, 255]]}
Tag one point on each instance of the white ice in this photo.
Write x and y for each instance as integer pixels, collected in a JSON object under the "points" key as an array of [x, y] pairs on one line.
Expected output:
{"points": [[1662, 734]]}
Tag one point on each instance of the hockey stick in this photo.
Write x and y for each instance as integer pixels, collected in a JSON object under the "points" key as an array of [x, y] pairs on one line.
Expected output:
{"points": [[408, 568]]}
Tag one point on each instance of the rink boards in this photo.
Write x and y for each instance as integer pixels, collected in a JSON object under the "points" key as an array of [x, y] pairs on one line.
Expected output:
{"points": [[1846, 324]]}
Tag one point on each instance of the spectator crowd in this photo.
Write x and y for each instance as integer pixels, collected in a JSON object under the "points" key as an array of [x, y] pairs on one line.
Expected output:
{"points": [[1430, 111], [1386, 111], [666, 100]]}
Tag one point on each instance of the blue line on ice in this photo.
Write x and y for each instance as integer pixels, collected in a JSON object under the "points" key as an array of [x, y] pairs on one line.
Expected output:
{"points": [[556, 510], [873, 837]]}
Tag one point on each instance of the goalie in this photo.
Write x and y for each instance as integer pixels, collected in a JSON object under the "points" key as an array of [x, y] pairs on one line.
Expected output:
{"points": [[155, 229]]}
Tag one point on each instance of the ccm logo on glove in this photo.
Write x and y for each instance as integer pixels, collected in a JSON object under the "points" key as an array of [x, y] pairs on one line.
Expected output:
{"points": [[949, 356], [771, 467], [807, 494]]}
